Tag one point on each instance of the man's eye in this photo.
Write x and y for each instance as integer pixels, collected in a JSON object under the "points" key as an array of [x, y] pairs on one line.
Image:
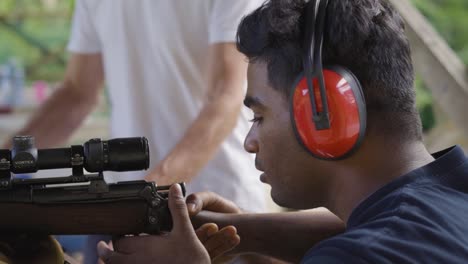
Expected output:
{"points": [[256, 119]]}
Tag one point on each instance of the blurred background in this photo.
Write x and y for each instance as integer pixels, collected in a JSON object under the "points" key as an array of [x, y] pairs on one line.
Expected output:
{"points": [[33, 39], [34, 33]]}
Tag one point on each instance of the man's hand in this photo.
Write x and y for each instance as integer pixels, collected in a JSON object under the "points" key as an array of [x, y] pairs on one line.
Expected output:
{"points": [[181, 245], [158, 176], [216, 241], [209, 201]]}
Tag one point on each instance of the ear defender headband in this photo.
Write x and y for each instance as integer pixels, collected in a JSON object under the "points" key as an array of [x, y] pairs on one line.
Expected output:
{"points": [[328, 110]]}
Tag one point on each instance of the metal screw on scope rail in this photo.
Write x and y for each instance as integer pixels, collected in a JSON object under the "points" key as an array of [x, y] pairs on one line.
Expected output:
{"points": [[155, 202], [4, 164], [153, 220], [77, 160]]}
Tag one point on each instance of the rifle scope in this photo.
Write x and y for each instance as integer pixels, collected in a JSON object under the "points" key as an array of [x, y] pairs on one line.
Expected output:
{"points": [[96, 155]]}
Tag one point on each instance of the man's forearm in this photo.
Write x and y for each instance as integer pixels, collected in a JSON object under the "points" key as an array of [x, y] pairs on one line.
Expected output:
{"points": [[225, 79], [200, 142], [286, 236], [58, 117]]}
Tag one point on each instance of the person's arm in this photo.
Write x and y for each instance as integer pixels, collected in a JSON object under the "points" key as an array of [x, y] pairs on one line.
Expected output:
{"points": [[215, 121], [286, 236], [69, 104]]}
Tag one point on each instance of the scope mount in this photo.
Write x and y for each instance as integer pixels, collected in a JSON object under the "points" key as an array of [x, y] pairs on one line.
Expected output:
{"points": [[95, 156], [5, 164], [97, 181]]}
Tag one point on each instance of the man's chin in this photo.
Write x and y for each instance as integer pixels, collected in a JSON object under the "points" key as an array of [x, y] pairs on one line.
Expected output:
{"points": [[278, 200], [286, 201]]}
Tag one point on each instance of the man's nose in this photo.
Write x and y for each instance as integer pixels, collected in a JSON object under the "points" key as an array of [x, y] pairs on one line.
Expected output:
{"points": [[251, 143]]}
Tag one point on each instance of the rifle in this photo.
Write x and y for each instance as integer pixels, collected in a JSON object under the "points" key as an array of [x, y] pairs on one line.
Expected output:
{"points": [[80, 203]]}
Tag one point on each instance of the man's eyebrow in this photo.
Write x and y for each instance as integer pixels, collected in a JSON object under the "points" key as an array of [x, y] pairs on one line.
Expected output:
{"points": [[251, 101]]}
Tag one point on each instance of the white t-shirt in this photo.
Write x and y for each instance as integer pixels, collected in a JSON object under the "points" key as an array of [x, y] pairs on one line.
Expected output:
{"points": [[155, 56]]}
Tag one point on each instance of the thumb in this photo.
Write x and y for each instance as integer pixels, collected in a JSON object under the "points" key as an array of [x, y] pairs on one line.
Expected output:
{"points": [[179, 212], [107, 255]]}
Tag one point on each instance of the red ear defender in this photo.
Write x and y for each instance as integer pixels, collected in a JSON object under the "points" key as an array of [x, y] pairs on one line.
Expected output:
{"points": [[347, 115], [328, 111]]}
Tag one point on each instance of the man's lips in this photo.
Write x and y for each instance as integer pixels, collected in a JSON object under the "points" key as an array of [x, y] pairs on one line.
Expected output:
{"points": [[257, 165], [263, 178]]}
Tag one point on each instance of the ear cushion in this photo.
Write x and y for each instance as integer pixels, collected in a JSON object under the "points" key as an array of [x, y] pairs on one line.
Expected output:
{"points": [[347, 112]]}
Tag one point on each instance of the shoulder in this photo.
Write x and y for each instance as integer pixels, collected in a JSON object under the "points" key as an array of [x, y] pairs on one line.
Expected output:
{"points": [[372, 242], [83, 3], [414, 226], [333, 254]]}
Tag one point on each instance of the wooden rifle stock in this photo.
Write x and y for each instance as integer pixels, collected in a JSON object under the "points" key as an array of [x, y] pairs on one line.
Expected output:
{"points": [[80, 203], [118, 209]]}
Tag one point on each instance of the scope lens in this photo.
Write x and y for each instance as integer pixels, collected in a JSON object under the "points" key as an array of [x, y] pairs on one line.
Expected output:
{"points": [[120, 154]]}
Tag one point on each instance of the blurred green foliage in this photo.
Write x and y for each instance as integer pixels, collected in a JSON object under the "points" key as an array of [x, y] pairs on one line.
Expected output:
{"points": [[450, 18], [35, 32], [424, 105]]}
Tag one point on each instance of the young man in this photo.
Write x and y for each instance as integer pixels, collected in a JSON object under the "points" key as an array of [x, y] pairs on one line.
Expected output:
{"points": [[173, 75], [401, 204]]}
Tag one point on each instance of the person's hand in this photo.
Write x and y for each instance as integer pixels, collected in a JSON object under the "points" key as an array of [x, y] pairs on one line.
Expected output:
{"points": [[209, 207], [160, 178], [181, 245], [209, 201], [218, 242], [156, 176]]}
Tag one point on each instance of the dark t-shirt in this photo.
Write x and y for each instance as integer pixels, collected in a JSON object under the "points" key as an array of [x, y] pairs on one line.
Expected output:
{"points": [[421, 217]]}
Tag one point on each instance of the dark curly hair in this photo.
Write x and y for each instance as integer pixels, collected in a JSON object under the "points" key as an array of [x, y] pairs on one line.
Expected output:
{"points": [[365, 36]]}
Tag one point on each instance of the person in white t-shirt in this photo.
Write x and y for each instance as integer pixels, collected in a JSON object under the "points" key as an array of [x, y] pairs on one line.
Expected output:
{"points": [[174, 75]]}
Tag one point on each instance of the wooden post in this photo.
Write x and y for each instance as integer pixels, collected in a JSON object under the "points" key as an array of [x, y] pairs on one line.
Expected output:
{"points": [[442, 71]]}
